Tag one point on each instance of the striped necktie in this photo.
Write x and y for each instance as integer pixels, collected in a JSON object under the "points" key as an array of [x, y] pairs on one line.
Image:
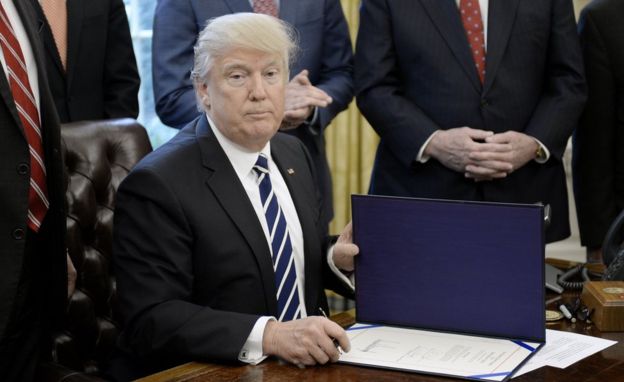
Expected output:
{"points": [[281, 247], [29, 116]]}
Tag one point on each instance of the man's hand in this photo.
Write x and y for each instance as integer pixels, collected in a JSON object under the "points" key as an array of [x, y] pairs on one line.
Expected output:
{"points": [[514, 150], [304, 342], [345, 250], [301, 99], [453, 147], [72, 275]]}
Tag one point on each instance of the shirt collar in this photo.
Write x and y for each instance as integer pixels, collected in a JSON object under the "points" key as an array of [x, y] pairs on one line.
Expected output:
{"points": [[241, 158]]}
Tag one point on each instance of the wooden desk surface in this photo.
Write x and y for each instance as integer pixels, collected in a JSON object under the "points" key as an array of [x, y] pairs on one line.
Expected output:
{"points": [[605, 366]]}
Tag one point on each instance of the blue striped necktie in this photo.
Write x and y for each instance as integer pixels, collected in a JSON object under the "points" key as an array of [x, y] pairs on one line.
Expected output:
{"points": [[281, 247]]}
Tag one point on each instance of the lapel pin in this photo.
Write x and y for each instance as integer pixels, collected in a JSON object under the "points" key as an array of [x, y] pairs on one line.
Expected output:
{"points": [[290, 171]]}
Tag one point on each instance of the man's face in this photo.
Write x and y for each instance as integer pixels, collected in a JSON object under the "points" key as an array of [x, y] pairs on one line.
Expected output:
{"points": [[245, 94]]}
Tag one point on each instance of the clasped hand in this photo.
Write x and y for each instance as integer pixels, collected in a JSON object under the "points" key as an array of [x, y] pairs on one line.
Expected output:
{"points": [[479, 154]]}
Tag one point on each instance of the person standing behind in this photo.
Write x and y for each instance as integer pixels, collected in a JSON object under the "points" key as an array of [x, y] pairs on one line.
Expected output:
{"points": [[472, 99], [321, 82], [90, 61], [33, 267], [598, 158]]}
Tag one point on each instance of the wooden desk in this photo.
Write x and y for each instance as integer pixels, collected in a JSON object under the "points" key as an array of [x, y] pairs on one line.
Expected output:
{"points": [[606, 366]]}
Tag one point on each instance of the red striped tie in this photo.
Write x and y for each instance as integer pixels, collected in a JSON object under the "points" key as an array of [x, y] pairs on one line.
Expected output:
{"points": [[267, 7], [27, 109]]}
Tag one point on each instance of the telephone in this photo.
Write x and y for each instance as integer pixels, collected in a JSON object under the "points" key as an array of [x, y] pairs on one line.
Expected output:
{"points": [[612, 255], [613, 250]]}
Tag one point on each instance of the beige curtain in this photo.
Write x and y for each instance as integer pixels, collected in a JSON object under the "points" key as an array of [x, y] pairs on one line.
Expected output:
{"points": [[350, 144]]}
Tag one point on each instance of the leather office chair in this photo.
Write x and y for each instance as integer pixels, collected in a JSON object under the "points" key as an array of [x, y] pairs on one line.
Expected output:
{"points": [[98, 155]]}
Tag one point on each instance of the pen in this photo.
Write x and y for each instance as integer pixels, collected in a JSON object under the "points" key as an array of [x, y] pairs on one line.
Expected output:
{"points": [[335, 341], [566, 312]]}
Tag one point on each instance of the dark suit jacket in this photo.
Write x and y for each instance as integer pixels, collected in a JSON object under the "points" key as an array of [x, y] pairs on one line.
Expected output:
{"points": [[102, 80], [14, 184], [598, 160], [414, 74], [193, 266], [325, 50]]}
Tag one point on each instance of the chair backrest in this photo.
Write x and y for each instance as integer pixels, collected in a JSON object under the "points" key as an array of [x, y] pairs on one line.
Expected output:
{"points": [[98, 155]]}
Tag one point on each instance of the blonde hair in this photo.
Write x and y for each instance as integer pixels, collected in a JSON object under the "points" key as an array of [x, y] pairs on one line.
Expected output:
{"points": [[254, 31]]}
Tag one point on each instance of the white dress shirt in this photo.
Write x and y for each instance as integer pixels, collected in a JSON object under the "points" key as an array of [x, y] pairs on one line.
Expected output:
{"points": [[243, 161]]}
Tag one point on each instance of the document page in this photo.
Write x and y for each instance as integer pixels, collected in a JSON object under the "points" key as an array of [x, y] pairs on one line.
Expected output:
{"points": [[465, 356], [562, 349]]}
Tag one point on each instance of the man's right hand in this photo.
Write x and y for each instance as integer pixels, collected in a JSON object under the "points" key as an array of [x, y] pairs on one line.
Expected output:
{"points": [[304, 342]]}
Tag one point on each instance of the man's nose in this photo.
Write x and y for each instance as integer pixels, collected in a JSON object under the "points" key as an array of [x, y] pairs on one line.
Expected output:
{"points": [[257, 88]]}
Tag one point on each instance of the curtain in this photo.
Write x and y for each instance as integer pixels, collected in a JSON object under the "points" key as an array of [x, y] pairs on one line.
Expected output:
{"points": [[350, 143]]}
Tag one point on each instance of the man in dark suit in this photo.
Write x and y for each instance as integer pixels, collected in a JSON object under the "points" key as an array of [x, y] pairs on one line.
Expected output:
{"points": [[473, 100], [219, 246], [598, 158], [321, 85], [33, 273], [90, 61]]}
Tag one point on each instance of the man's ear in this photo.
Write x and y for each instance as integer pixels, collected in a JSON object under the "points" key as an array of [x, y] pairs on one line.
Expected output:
{"points": [[204, 96]]}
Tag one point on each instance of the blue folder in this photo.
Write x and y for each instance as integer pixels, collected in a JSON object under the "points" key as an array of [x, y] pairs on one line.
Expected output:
{"points": [[463, 267]]}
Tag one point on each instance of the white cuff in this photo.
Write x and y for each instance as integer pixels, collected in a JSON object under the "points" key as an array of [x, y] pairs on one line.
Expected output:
{"points": [[251, 352], [545, 149], [350, 281], [311, 122], [421, 157]]}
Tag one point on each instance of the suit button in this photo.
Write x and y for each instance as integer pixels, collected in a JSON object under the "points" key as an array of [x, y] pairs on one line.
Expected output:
{"points": [[18, 234], [484, 102], [22, 168]]}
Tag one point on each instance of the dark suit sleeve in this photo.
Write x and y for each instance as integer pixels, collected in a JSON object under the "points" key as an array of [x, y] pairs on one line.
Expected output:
{"points": [[175, 34], [153, 252], [337, 63], [559, 108], [401, 124], [121, 77], [594, 149]]}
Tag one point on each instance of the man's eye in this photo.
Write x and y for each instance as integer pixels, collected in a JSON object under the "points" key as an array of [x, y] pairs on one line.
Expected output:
{"points": [[272, 74], [236, 78]]}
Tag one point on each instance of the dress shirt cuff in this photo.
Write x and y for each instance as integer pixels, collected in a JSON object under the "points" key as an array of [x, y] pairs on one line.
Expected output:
{"points": [[251, 351], [421, 157], [348, 280], [545, 149], [311, 122]]}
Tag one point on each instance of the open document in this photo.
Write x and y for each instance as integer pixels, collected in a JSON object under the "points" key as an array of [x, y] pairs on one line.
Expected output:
{"points": [[473, 357], [454, 288]]}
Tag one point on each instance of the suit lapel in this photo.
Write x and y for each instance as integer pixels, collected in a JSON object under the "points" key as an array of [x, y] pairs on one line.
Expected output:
{"points": [[75, 17], [288, 10], [291, 169], [445, 16], [501, 15], [221, 179], [45, 34], [239, 5], [7, 97]]}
